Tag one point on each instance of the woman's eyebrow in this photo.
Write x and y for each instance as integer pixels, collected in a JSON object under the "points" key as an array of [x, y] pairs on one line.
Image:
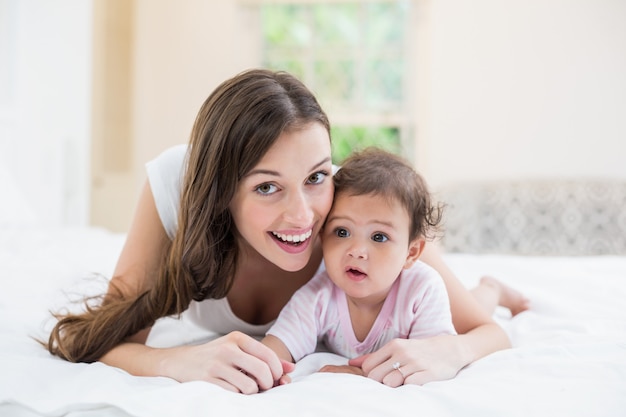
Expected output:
{"points": [[322, 162], [263, 171], [277, 174]]}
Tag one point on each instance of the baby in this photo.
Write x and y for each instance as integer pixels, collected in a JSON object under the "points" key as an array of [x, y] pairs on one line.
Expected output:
{"points": [[373, 289]]}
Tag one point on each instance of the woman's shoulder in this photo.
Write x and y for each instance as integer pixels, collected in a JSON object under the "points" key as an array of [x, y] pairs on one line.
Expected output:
{"points": [[165, 174], [173, 156]]}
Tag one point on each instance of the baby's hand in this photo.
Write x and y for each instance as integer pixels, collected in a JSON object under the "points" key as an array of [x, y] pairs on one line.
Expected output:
{"points": [[342, 369], [285, 378]]}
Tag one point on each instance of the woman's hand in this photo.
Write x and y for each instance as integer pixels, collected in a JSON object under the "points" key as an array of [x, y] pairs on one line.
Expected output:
{"points": [[236, 362], [413, 361]]}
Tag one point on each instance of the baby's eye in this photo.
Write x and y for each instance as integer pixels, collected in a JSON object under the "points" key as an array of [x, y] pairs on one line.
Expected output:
{"points": [[317, 178], [379, 237], [341, 232], [266, 189]]}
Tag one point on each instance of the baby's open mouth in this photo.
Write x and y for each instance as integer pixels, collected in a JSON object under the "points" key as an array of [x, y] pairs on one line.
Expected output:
{"points": [[355, 272]]}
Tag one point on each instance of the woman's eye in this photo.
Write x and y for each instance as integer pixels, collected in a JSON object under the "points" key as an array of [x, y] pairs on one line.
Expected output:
{"points": [[379, 237], [317, 178], [266, 189], [341, 232]]}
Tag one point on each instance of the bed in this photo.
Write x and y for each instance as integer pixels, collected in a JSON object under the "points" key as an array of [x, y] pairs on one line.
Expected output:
{"points": [[568, 356]]}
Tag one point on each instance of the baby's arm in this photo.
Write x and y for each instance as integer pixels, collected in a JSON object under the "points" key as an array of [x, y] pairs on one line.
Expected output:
{"points": [[278, 347], [283, 354]]}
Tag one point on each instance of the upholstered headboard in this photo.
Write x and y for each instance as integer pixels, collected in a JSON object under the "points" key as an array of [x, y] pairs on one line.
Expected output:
{"points": [[536, 217]]}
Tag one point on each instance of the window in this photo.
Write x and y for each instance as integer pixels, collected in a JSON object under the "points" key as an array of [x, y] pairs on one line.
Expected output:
{"points": [[353, 55]]}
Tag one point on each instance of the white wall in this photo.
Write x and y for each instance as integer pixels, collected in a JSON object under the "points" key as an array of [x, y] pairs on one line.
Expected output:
{"points": [[523, 89], [183, 50], [506, 89], [45, 121], [180, 51]]}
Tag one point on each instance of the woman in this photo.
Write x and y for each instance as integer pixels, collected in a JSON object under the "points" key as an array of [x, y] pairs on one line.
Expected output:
{"points": [[234, 241]]}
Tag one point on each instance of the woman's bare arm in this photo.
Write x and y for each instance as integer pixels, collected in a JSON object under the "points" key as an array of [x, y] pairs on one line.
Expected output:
{"points": [[135, 272], [481, 333], [146, 244]]}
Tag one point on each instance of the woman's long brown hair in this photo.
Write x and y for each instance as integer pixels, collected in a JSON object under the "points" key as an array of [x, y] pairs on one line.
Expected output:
{"points": [[234, 128]]}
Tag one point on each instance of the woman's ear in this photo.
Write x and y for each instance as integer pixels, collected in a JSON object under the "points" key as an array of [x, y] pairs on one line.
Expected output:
{"points": [[415, 250]]}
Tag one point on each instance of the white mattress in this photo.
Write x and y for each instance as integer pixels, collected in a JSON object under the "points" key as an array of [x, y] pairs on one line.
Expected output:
{"points": [[568, 359]]}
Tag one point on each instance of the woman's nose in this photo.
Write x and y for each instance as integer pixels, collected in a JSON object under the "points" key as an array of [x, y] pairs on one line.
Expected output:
{"points": [[299, 210]]}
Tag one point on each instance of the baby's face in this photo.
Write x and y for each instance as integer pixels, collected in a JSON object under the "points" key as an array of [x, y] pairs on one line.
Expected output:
{"points": [[366, 244]]}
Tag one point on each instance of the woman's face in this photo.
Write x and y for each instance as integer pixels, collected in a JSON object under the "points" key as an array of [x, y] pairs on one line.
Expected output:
{"points": [[281, 204]]}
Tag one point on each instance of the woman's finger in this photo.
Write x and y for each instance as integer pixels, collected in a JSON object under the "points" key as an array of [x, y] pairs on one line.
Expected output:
{"points": [[236, 381], [242, 381], [398, 375], [260, 363], [420, 378], [378, 364]]}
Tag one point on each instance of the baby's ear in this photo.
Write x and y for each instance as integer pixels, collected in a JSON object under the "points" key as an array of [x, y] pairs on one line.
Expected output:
{"points": [[415, 250]]}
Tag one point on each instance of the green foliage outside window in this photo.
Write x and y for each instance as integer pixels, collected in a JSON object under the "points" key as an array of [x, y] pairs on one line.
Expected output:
{"points": [[351, 55], [347, 139]]}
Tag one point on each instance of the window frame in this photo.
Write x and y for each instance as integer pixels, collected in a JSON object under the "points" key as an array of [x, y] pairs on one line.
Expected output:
{"points": [[342, 115]]}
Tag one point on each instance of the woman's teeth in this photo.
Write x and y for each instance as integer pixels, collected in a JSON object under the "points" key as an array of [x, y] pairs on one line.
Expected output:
{"points": [[293, 238]]}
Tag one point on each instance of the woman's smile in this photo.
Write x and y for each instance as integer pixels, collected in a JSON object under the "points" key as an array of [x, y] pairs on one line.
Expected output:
{"points": [[293, 238], [293, 243]]}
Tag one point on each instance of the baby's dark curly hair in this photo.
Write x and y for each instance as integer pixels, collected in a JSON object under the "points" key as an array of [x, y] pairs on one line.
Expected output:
{"points": [[376, 171]]}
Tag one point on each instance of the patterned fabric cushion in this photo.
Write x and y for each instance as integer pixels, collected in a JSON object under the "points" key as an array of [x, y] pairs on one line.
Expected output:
{"points": [[550, 217]]}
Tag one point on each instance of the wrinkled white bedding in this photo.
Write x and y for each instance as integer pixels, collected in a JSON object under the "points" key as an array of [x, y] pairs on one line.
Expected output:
{"points": [[568, 359]]}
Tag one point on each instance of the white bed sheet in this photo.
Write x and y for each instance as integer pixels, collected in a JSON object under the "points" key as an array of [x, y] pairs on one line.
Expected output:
{"points": [[568, 359]]}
